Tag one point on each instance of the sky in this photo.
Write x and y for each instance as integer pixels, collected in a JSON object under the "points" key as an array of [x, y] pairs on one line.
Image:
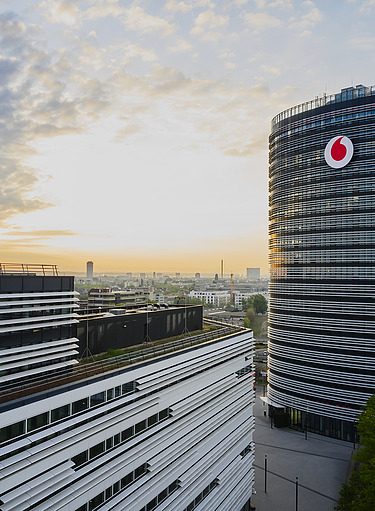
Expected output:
{"points": [[135, 133]]}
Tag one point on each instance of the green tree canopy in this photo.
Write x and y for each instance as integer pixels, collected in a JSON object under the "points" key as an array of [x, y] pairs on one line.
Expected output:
{"points": [[359, 493], [246, 322], [257, 302]]}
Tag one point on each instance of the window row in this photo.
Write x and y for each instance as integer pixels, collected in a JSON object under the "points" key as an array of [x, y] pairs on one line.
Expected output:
{"points": [[245, 370], [126, 434], [340, 97], [35, 313], [248, 448], [114, 489], [162, 496], [62, 412], [58, 358], [202, 495]]}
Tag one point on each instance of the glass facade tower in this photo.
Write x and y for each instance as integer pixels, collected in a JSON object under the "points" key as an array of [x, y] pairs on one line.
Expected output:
{"points": [[322, 261]]}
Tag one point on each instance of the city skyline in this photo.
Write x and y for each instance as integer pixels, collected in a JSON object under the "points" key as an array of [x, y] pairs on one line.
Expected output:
{"points": [[135, 134]]}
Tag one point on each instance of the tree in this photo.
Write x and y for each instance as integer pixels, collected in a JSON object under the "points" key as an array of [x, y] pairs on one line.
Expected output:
{"points": [[250, 314], [359, 493], [259, 304], [246, 322]]}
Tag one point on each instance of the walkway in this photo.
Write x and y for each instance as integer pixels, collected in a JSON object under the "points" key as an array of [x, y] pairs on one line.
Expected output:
{"points": [[320, 463]]}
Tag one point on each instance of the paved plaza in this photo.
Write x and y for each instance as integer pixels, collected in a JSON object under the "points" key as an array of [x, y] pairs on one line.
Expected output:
{"points": [[320, 463]]}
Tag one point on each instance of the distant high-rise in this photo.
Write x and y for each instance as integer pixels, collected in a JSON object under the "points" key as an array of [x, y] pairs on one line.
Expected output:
{"points": [[322, 243], [89, 269], [197, 275], [252, 273]]}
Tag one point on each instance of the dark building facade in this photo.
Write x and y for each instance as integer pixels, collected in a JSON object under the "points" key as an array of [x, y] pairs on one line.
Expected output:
{"points": [[37, 322], [322, 261], [123, 329]]}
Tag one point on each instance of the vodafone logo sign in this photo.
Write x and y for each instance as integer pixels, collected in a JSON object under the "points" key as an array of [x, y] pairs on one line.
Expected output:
{"points": [[338, 152]]}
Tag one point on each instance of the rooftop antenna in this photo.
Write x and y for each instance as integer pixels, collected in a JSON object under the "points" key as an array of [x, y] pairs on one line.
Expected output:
{"points": [[185, 331], [87, 352], [147, 337]]}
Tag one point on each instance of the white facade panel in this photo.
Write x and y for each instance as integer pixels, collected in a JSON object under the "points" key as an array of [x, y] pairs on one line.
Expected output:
{"points": [[178, 435]]}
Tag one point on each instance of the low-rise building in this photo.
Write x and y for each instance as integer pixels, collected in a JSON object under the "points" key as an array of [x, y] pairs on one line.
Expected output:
{"points": [[216, 298]]}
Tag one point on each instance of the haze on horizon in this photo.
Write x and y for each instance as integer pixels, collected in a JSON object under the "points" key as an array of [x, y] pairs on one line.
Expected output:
{"points": [[135, 134]]}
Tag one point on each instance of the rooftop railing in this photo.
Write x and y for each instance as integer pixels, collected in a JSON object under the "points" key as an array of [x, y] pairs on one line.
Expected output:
{"points": [[345, 95], [137, 354], [28, 269]]}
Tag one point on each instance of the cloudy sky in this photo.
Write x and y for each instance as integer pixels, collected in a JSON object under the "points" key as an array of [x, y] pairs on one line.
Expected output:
{"points": [[135, 133]]}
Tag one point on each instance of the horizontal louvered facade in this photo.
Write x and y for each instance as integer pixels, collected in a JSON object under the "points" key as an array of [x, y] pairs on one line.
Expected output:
{"points": [[37, 326], [171, 433], [322, 263]]}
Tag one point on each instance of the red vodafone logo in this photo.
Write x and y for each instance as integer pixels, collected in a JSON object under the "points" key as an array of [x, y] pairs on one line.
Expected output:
{"points": [[338, 152]]}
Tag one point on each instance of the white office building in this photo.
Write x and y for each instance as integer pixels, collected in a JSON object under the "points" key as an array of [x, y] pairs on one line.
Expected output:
{"points": [[216, 298], [170, 429]]}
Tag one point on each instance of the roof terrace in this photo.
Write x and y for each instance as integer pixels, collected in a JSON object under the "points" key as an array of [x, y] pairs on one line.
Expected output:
{"points": [[16, 395]]}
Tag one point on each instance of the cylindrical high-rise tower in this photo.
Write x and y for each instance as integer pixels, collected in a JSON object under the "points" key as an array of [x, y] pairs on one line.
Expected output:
{"points": [[322, 255]]}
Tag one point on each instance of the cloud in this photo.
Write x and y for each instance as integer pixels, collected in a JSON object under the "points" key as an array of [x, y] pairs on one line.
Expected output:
{"points": [[180, 46], [104, 8], [186, 6], [60, 11], [42, 233], [207, 23], [175, 6], [137, 19], [261, 21], [304, 23]]}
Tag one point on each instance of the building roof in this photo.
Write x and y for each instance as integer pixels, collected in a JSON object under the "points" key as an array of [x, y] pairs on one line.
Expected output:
{"points": [[17, 395]]}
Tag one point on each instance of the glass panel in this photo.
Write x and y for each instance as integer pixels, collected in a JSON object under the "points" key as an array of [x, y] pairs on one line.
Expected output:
{"points": [[152, 420], [127, 433], [97, 449], [37, 422], [152, 504], [163, 414], [97, 399], [12, 431], [163, 495], [96, 501], [140, 426], [60, 413], [140, 470], [81, 458], [79, 406], [127, 480]]}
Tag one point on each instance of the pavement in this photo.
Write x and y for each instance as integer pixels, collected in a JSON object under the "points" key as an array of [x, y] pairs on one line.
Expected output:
{"points": [[320, 464]]}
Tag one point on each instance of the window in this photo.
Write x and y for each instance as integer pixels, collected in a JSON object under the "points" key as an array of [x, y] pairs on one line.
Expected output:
{"points": [[163, 414], [140, 426], [81, 458], [12, 431], [96, 501], [127, 433], [37, 421], [97, 449], [60, 413], [97, 399], [79, 406], [152, 420]]}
